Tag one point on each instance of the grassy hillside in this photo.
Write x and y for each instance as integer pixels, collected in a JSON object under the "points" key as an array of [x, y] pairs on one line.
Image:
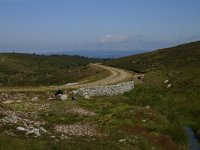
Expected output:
{"points": [[26, 69], [180, 66]]}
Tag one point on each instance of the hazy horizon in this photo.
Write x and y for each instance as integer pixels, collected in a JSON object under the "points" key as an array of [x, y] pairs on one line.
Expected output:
{"points": [[44, 26]]}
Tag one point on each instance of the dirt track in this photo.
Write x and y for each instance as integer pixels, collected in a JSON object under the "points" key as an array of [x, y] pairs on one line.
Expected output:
{"points": [[116, 75]]}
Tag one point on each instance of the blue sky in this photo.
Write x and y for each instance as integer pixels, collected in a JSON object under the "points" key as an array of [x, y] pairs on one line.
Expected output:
{"points": [[58, 25]]}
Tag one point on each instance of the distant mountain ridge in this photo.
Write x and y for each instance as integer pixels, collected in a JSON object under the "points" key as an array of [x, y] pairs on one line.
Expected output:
{"points": [[98, 53]]}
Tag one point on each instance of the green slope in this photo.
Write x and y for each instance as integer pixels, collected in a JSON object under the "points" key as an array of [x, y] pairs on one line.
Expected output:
{"points": [[27, 69], [181, 66]]}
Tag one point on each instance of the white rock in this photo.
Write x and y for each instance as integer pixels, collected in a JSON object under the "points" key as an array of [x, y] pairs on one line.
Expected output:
{"points": [[166, 81], [34, 99], [19, 101], [169, 85], [21, 129], [34, 131], [122, 140], [63, 97], [75, 92], [70, 84], [51, 98]]}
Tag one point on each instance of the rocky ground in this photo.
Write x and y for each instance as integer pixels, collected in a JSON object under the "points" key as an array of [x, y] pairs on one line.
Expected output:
{"points": [[79, 123]]}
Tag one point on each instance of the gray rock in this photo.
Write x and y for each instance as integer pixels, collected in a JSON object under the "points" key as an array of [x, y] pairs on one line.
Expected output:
{"points": [[43, 130], [34, 131], [110, 90], [11, 118]]}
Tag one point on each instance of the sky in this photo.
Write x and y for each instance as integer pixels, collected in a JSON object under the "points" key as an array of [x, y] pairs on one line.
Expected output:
{"points": [[59, 25]]}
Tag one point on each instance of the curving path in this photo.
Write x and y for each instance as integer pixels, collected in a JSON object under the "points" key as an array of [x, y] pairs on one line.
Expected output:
{"points": [[116, 75]]}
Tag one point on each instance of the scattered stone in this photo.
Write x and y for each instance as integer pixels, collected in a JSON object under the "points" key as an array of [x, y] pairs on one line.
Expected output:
{"points": [[11, 118], [166, 81], [21, 129], [122, 140], [52, 137], [169, 85], [110, 90], [75, 92], [34, 99], [63, 97], [86, 97], [70, 84], [51, 98], [12, 96], [8, 102], [43, 130], [34, 131]]}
